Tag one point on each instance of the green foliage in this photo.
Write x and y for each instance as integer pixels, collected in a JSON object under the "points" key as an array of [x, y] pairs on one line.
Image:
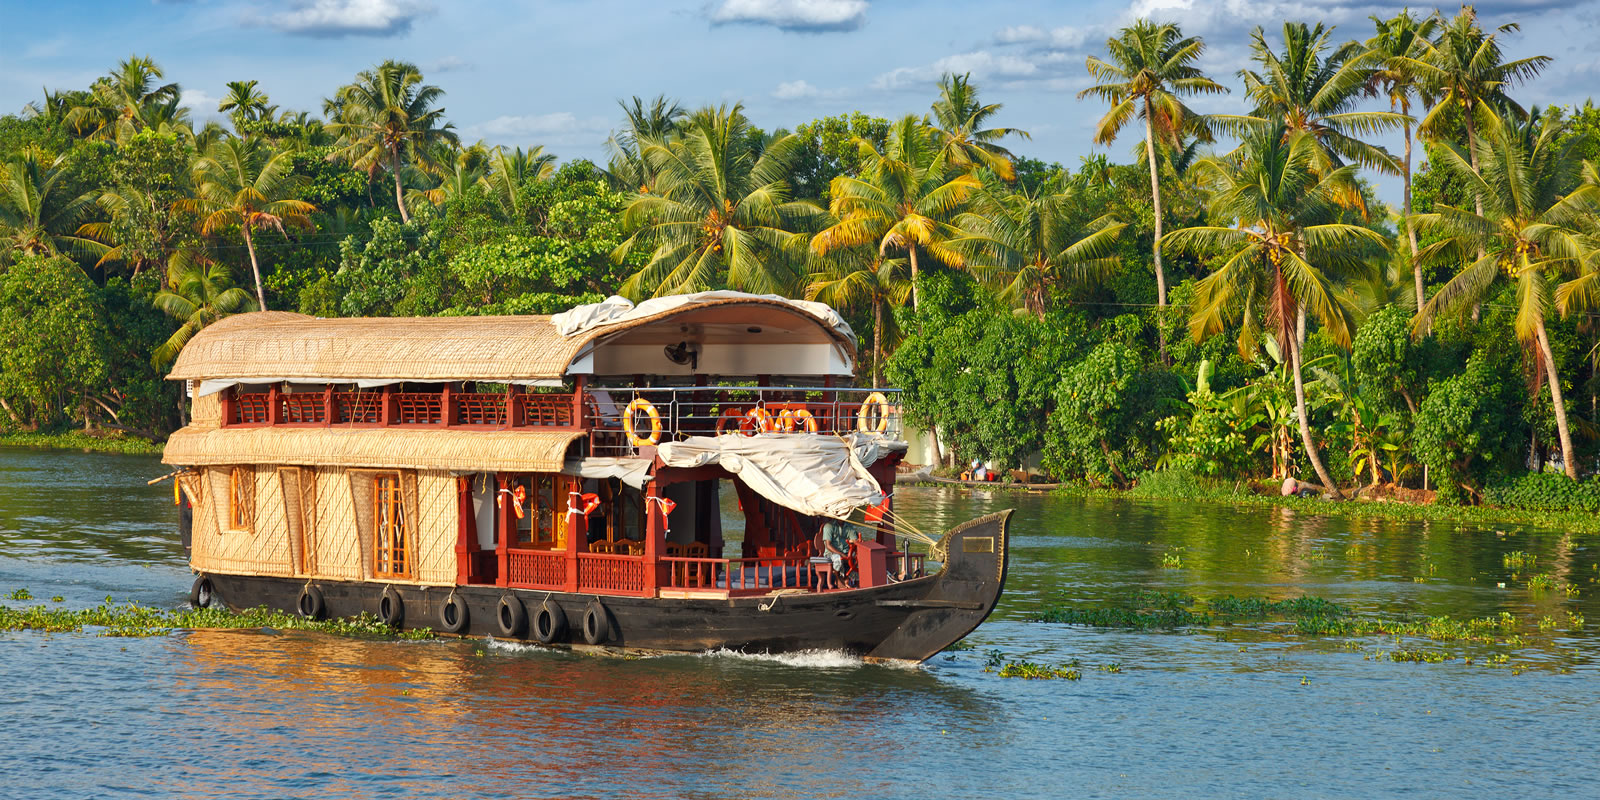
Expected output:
{"points": [[1106, 405], [1467, 426], [52, 341], [829, 149], [1545, 491], [397, 272]]}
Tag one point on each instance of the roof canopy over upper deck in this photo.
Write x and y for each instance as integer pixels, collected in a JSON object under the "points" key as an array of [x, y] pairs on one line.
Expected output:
{"points": [[725, 333]]}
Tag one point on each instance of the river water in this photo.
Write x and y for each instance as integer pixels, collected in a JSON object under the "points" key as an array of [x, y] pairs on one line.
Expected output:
{"points": [[1214, 711]]}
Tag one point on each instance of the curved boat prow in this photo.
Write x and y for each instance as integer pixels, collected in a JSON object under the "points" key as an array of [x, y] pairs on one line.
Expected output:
{"points": [[964, 594]]}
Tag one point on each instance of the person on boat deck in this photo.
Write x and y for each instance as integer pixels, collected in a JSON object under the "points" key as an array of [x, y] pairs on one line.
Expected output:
{"points": [[833, 542]]}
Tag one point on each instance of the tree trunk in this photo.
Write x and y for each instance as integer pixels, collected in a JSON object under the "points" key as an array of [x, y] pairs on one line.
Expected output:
{"points": [[915, 298], [1305, 425], [399, 196], [1477, 198], [1155, 205], [1556, 402], [255, 268], [1411, 231], [877, 343]]}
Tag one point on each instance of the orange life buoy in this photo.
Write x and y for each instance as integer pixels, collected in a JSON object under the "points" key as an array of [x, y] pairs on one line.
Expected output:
{"points": [[797, 418], [864, 418], [728, 415], [641, 404], [760, 420]]}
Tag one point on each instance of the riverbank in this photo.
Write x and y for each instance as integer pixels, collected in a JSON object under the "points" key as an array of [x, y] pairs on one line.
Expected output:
{"points": [[1186, 488], [78, 440]]}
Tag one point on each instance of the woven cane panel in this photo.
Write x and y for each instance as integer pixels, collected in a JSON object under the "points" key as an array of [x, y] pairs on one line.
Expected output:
{"points": [[361, 500], [436, 528], [337, 546], [293, 515], [263, 550], [206, 412], [204, 535]]}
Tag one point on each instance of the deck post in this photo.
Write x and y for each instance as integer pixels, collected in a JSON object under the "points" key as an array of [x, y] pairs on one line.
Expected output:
{"points": [[328, 410], [502, 518], [274, 412], [466, 540], [387, 413], [577, 535], [579, 383], [513, 414], [229, 403], [447, 406], [654, 535]]}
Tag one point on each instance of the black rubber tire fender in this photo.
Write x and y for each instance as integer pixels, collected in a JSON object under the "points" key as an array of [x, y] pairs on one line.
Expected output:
{"points": [[549, 622], [311, 605], [203, 594], [391, 609], [511, 617], [453, 615], [596, 623]]}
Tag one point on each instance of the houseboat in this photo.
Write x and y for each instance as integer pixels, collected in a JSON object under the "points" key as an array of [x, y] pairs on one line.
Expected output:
{"points": [[563, 480]]}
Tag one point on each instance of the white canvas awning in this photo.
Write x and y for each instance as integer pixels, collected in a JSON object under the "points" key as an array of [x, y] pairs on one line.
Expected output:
{"points": [[814, 475], [615, 309]]}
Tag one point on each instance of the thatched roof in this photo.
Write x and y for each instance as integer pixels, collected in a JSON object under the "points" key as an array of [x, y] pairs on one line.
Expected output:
{"points": [[397, 448], [283, 345]]}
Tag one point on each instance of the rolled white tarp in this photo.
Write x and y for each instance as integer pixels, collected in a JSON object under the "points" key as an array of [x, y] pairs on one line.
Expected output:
{"points": [[634, 472], [814, 475], [215, 385], [615, 309]]}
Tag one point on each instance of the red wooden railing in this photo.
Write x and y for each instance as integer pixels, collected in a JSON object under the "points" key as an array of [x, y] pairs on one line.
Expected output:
{"points": [[598, 572], [480, 408], [914, 564], [251, 408], [360, 408], [544, 410], [536, 569], [302, 409], [738, 575], [418, 408]]}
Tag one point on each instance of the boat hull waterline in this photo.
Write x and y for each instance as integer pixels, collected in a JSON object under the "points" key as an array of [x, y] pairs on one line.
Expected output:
{"points": [[907, 621]]}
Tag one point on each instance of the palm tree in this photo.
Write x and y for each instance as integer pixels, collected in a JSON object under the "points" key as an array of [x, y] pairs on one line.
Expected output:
{"points": [[1401, 40], [202, 292], [959, 119], [448, 172], [1037, 240], [655, 122], [1529, 233], [1464, 70], [1151, 66], [1280, 249], [857, 276], [245, 105], [33, 219], [115, 105], [387, 117], [718, 214], [509, 173], [904, 200], [1313, 87], [242, 182]]}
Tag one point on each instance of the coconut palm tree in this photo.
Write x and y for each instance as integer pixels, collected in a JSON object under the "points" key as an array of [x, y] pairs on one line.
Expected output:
{"points": [[34, 218], [509, 174], [245, 104], [1037, 241], [1529, 234], [1401, 40], [656, 121], [856, 277], [1464, 69], [958, 119], [116, 103], [905, 200], [201, 293], [243, 182], [1313, 87], [1281, 250], [718, 213], [1151, 66], [387, 118], [448, 172]]}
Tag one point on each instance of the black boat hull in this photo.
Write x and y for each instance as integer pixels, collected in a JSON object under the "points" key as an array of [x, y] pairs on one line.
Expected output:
{"points": [[907, 621]]}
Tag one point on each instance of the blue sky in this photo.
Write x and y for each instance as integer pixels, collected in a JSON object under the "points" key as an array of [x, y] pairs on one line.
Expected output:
{"points": [[550, 73]]}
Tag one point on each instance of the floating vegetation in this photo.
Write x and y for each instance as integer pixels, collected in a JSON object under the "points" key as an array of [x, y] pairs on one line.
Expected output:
{"points": [[1518, 560], [1172, 559], [1541, 582], [131, 619], [1032, 671], [20, 594], [1152, 610]]}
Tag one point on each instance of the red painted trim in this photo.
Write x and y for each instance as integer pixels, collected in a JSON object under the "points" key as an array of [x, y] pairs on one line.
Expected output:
{"points": [[274, 411], [503, 514], [655, 537], [466, 542]]}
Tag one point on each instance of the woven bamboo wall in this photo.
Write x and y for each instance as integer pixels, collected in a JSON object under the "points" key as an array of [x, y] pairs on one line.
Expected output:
{"points": [[338, 544], [436, 528], [206, 412], [263, 550]]}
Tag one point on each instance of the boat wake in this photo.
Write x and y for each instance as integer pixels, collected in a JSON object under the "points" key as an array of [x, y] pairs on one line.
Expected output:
{"points": [[804, 659]]}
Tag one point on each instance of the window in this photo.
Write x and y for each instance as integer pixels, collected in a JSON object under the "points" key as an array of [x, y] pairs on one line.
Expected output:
{"points": [[394, 530], [241, 499], [543, 521]]}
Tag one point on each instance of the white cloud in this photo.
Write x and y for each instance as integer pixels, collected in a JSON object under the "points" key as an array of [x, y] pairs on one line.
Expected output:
{"points": [[803, 16], [560, 127], [981, 63], [198, 101], [1065, 36], [336, 18], [803, 90]]}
